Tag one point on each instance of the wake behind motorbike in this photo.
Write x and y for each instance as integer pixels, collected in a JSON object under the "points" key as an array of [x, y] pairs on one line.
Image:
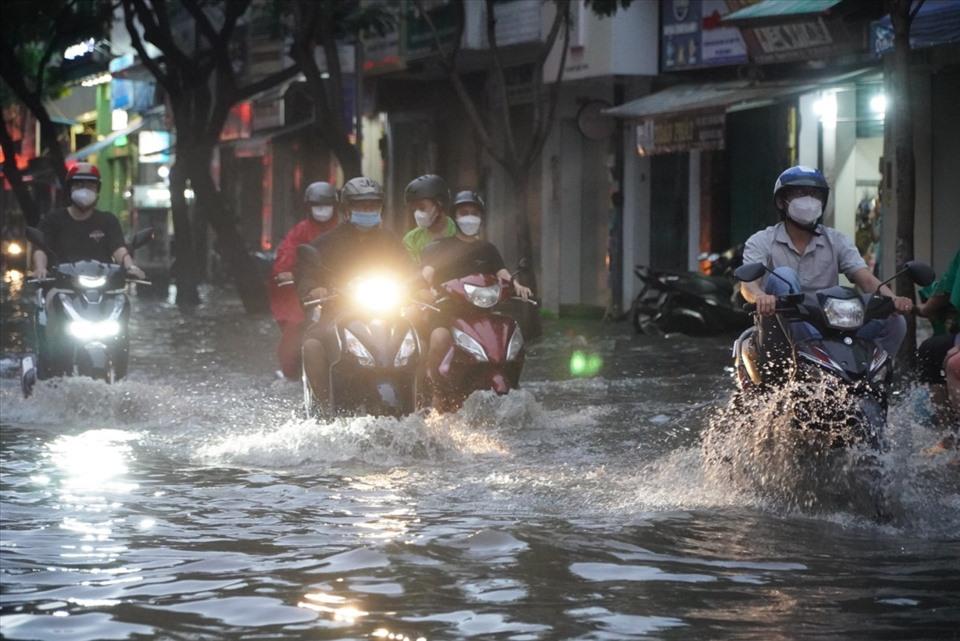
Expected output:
{"points": [[687, 302], [372, 348], [81, 319], [851, 373], [488, 347]]}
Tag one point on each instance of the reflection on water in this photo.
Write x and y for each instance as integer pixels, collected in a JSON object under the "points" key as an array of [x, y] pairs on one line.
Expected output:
{"points": [[191, 502]]}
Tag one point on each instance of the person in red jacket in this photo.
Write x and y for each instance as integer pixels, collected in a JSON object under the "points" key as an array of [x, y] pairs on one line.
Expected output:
{"points": [[321, 199]]}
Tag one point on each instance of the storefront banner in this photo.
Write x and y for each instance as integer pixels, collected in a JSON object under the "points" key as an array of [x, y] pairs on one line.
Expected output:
{"points": [[673, 135]]}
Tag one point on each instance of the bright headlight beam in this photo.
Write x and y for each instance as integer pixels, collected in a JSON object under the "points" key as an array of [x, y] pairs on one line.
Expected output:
{"points": [[376, 293], [87, 330]]}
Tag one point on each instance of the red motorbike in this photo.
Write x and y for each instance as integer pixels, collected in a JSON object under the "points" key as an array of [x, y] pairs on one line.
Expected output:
{"points": [[487, 351]]}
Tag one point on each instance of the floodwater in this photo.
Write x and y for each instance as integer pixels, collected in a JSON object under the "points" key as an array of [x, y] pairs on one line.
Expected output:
{"points": [[192, 502]]}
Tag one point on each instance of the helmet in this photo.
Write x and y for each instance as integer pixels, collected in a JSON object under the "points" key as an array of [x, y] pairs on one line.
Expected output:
{"points": [[471, 197], [800, 176], [320, 193], [361, 188], [429, 186], [83, 171]]}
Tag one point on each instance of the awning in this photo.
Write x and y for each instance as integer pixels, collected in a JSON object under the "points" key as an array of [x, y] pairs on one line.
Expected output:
{"points": [[727, 96], [256, 145], [937, 22], [779, 11], [100, 145]]}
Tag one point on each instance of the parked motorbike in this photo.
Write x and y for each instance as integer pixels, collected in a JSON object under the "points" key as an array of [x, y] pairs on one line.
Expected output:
{"points": [[488, 347], [82, 328], [689, 303], [373, 349], [854, 372]]}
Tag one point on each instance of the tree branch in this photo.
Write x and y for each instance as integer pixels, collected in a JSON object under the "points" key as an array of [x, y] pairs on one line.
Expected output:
{"points": [[501, 80], [915, 10], [156, 29], [448, 61], [148, 62], [542, 131], [242, 93]]}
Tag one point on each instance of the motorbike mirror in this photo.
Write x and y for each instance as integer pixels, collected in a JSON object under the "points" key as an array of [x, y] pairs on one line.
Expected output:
{"points": [[749, 272], [142, 237], [921, 273]]}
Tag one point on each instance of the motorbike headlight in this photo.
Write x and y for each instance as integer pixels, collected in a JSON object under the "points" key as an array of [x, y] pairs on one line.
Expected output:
{"points": [[515, 344], [91, 282], [469, 344], [376, 293], [91, 330], [407, 347], [14, 248], [482, 296], [843, 313], [355, 347]]}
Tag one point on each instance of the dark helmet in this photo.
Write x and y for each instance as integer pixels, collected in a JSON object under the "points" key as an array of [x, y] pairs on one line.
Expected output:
{"points": [[469, 197], [320, 193], [429, 186], [800, 176], [83, 171], [361, 188]]}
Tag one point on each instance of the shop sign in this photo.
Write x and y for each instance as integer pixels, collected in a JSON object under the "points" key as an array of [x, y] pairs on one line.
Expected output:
{"points": [[672, 135], [419, 39], [692, 36], [381, 53]]}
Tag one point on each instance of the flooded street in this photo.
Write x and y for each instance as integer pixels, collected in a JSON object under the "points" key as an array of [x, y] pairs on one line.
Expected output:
{"points": [[191, 501]]}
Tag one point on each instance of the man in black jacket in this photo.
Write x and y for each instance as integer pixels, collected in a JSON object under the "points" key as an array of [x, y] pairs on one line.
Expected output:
{"points": [[359, 246]]}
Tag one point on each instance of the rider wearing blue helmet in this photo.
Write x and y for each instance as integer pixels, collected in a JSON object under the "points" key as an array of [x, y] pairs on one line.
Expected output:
{"points": [[810, 256]]}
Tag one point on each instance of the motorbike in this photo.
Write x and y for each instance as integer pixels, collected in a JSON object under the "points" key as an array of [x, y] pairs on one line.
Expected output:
{"points": [[81, 328], [373, 348], [854, 372], [488, 347], [689, 303]]}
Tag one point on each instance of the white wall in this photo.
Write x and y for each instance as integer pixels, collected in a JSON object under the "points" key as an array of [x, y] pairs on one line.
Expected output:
{"points": [[624, 44]]}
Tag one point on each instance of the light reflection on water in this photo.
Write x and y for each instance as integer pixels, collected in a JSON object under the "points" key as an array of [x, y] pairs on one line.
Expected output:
{"points": [[196, 506]]}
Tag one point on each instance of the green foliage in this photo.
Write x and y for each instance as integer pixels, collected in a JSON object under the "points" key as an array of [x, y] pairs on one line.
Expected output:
{"points": [[36, 33]]}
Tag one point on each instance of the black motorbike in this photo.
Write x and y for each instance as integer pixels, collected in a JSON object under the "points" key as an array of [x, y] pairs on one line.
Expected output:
{"points": [[372, 347], [687, 302], [854, 373], [81, 318]]}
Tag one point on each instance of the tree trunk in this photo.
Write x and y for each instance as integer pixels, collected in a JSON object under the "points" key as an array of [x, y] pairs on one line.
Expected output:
{"points": [[520, 181], [347, 155], [904, 166], [57, 160], [237, 260], [184, 269], [28, 205]]}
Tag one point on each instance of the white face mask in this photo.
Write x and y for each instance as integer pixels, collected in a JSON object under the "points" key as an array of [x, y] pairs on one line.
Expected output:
{"points": [[469, 225], [424, 218], [805, 210], [321, 213], [83, 197]]}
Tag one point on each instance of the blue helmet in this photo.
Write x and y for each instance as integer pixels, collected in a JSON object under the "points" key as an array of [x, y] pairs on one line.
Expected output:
{"points": [[800, 176]]}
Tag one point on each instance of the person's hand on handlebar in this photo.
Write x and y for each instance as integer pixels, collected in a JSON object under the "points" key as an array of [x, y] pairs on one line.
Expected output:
{"points": [[766, 304], [40, 272], [903, 304], [317, 292], [522, 292], [136, 272]]}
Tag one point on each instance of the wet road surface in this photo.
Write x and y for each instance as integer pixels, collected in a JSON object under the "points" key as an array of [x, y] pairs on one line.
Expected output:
{"points": [[192, 502]]}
